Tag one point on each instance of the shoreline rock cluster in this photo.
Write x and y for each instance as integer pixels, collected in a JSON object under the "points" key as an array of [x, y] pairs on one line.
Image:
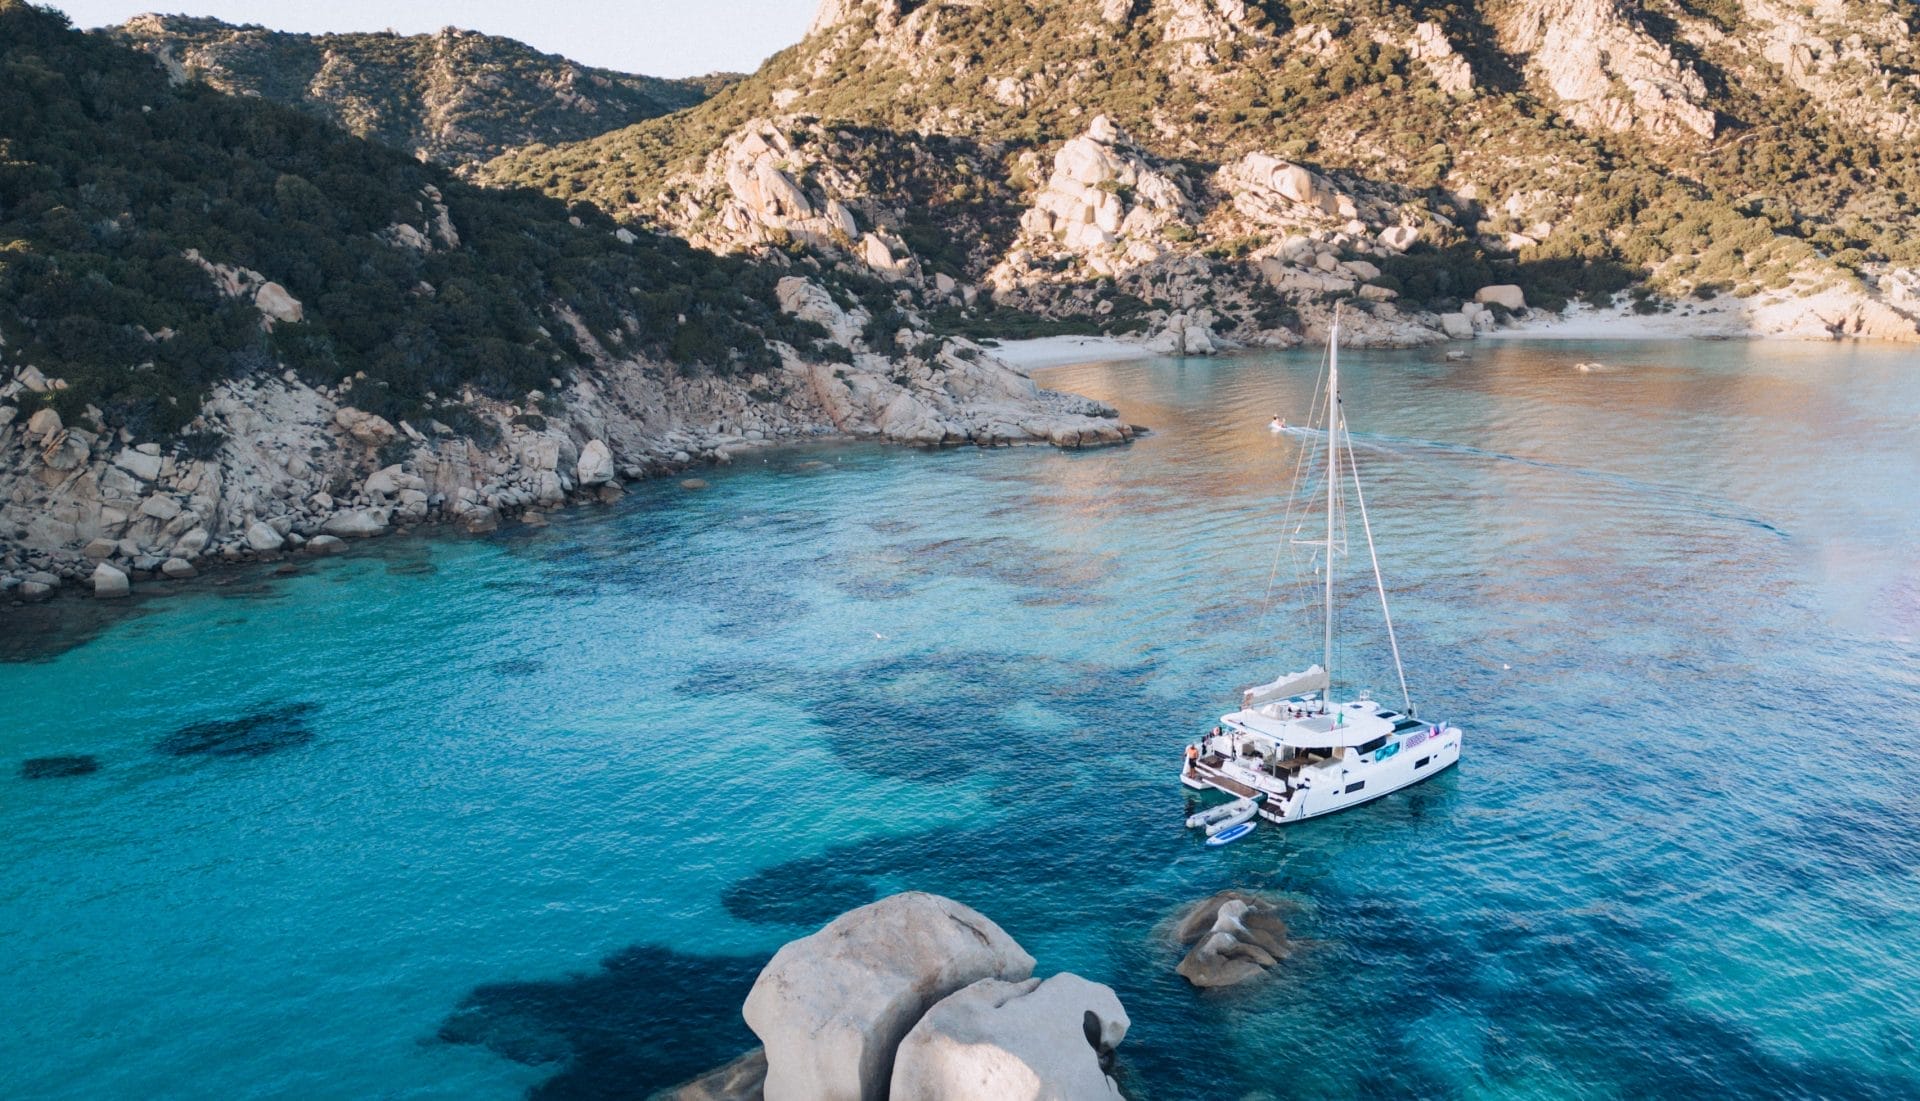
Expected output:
{"points": [[918, 998], [299, 469]]}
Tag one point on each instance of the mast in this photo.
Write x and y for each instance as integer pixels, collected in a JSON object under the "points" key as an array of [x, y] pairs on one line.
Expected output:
{"points": [[1333, 487]]}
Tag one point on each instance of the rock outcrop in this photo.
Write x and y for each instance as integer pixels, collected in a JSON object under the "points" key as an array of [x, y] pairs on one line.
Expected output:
{"points": [[832, 1008], [1605, 70], [1235, 937], [1856, 60], [1106, 207], [995, 1040]]}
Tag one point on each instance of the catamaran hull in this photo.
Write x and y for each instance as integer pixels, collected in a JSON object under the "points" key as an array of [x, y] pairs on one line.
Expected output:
{"points": [[1334, 793]]}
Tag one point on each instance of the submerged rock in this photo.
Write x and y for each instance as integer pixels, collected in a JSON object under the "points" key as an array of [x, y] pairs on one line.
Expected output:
{"points": [[251, 735], [49, 768], [1236, 936], [996, 1040], [744, 1079], [832, 1008]]}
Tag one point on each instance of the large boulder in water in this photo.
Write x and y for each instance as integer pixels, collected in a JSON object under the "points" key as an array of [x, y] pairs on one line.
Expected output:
{"points": [[832, 1008], [1235, 937], [1044, 1041]]}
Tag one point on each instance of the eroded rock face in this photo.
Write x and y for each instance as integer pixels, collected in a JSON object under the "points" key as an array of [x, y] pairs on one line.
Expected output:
{"points": [[1235, 936], [1843, 56], [832, 1008], [1106, 205], [1605, 70], [996, 1040]]}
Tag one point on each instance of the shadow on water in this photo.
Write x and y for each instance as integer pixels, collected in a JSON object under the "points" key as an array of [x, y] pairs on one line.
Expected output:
{"points": [[649, 1018], [49, 768], [254, 734]]}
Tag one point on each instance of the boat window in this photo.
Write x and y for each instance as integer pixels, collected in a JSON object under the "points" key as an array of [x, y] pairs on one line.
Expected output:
{"points": [[1368, 747], [1422, 762], [1353, 787], [1407, 724]]}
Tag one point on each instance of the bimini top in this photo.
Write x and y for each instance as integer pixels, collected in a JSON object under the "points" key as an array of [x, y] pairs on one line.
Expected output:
{"points": [[1351, 724], [1314, 679]]}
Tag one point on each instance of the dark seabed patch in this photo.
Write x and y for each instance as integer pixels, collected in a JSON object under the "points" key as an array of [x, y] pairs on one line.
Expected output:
{"points": [[1029, 851], [934, 716], [49, 768], [649, 1018], [43, 632], [253, 734], [517, 667]]}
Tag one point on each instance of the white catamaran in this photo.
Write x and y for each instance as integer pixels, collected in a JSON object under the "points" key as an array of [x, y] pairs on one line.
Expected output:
{"points": [[1292, 746]]}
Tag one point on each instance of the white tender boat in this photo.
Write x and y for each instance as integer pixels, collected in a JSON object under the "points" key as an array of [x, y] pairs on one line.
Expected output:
{"points": [[1292, 741], [1214, 819]]}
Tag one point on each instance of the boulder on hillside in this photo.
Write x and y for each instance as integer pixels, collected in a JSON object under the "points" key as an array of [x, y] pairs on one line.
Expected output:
{"points": [[358, 524], [832, 1008], [1235, 936], [596, 464], [368, 428], [995, 1040], [262, 538], [1501, 294], [110, 582], [275, 304]]}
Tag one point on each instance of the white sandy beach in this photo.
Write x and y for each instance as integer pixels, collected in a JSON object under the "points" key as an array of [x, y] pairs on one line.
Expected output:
{"points": [[1062, 351], [1694, 321]]}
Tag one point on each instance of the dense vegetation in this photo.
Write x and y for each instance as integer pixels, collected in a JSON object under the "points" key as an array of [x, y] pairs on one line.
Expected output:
{"points": [[109, 175], [455, 96]]}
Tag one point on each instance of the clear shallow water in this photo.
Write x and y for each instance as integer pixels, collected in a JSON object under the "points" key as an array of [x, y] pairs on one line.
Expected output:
{"points": [[477, 818]]}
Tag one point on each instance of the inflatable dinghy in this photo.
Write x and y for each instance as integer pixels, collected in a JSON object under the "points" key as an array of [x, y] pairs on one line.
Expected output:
{"points": [[1215, 819]]}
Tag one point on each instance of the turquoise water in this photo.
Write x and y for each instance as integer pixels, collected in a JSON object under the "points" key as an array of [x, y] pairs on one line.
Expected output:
{"points": [[483, 818]]}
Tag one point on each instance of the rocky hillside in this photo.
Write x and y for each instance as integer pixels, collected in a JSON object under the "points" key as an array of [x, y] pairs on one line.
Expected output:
{"points": [[228, 329], [452, 97], [1228, 167]]}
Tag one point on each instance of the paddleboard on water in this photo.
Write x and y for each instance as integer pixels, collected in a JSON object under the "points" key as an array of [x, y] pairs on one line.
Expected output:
{"points": [[1231, 834]]}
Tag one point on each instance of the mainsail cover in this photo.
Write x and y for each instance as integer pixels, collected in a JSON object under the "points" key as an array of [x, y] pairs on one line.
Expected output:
{"points": [[1314, 679]]}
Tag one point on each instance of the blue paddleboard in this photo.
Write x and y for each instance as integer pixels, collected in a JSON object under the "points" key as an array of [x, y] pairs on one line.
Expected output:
{"points": [[1231, 833]]}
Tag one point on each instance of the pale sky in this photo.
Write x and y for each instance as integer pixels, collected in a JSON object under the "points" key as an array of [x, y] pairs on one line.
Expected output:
{"points": [[654, 37]]}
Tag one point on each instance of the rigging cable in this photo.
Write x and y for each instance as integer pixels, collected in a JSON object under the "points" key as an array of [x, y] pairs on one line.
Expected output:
{"points": [[1379, 583]]}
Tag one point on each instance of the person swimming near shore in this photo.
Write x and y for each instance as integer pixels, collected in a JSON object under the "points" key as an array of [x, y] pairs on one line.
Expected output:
{"points": [[1277, 424]]}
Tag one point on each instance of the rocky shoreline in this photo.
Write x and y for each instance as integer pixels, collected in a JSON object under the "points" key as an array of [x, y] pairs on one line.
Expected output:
{"points": [[296, 469]]}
